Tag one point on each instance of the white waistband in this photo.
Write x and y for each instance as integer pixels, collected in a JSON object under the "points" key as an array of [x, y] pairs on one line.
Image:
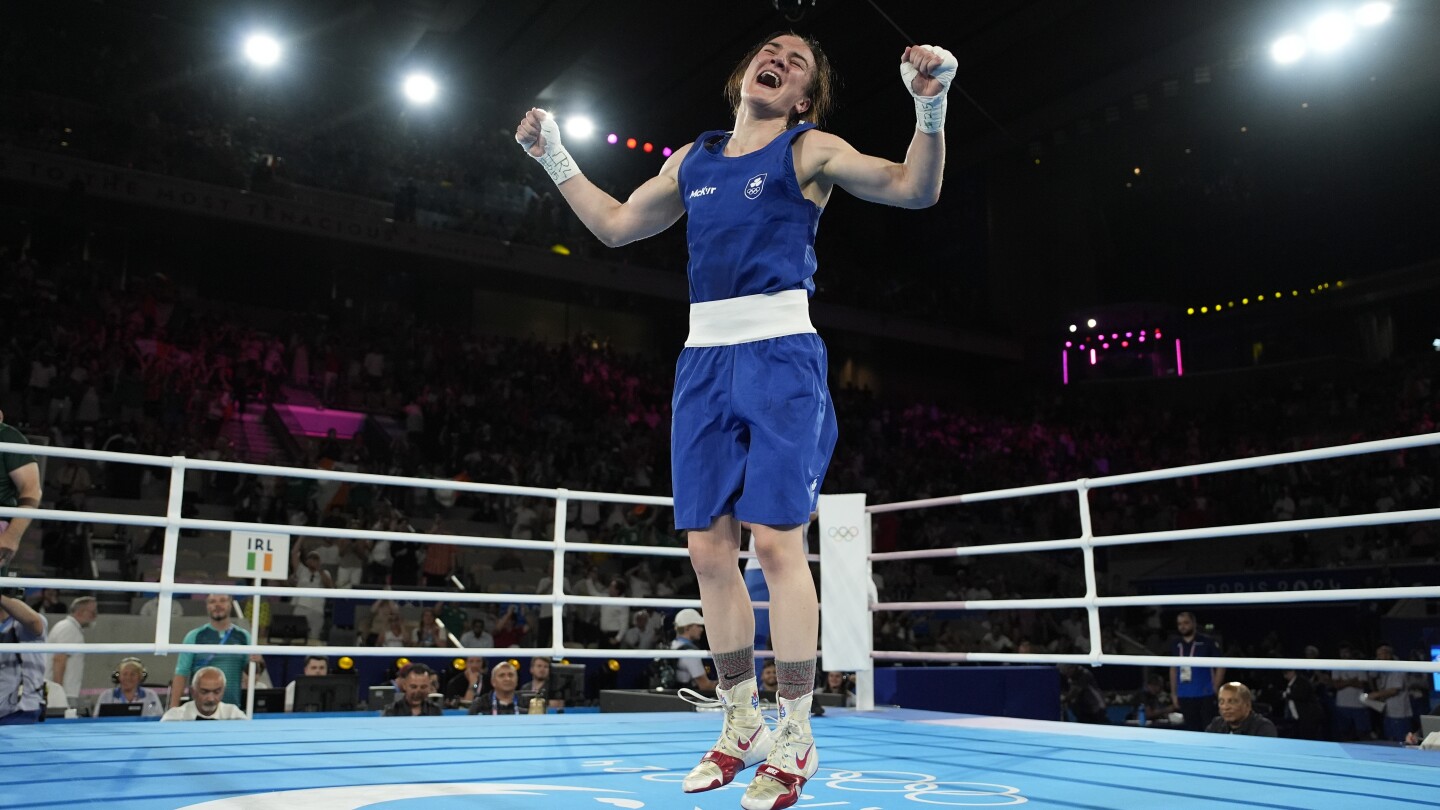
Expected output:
{"points": [[749, 318]]}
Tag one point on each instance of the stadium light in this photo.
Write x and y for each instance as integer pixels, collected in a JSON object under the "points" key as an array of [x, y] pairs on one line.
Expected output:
{"points": [[1330, 32], [1288, 49], [578, 126], [262, 50], [1372, 14], [420, 88]]}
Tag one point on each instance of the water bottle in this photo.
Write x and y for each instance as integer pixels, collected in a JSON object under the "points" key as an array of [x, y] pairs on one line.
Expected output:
{"points": [[1140, 716]]}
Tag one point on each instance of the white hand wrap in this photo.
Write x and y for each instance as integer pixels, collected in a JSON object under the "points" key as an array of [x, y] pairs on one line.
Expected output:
{"points": [[930, 110], [556, 160]]}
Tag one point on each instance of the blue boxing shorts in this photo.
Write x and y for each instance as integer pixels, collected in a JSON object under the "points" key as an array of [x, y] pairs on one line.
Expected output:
{"points": [[752, 430]]}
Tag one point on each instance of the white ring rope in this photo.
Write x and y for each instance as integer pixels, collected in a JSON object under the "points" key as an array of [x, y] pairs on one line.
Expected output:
{"points": [[1091, 602]]}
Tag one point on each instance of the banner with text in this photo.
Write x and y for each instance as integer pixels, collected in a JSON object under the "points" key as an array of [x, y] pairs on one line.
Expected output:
{"points": [[259, 555]]}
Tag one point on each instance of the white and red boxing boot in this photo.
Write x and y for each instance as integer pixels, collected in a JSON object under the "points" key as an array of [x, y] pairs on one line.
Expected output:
{"points": [[744, 740], [792, 761]]}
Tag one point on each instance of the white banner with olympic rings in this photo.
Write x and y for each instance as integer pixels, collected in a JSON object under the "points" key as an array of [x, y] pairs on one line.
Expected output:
{"points": [[846, 589]]}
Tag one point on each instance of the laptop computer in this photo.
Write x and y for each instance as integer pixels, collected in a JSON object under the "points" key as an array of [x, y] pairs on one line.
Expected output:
{"points": [[1429, 724], [120, 710]]}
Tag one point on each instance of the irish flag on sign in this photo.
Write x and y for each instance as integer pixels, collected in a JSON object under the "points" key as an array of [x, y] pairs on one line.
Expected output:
{"points": [[260, 561]]}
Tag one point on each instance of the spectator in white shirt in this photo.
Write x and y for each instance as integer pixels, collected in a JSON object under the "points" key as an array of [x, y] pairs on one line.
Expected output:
{"points": [[68, 669], [614, 619], [208, 691], [641, 634]]}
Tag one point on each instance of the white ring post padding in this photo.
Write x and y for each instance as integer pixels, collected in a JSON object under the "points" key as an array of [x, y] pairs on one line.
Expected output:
{"points": [[557, 570], [1087, 536], [169, 555]]}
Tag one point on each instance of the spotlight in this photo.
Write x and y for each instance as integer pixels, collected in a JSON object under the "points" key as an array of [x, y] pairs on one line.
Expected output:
{"points": [[1288, 49], [1330, 32], [1373, 13], [1190, 311], [612, 138], [667, 151], [578, 126], [1073, 327], [262, 50], [1090, 323], [420, 88], [630, 143]]}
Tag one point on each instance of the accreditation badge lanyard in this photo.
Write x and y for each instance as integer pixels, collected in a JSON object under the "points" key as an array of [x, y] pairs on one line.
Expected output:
{"points": [[225, 639], [1186, 671], [495, 705]]}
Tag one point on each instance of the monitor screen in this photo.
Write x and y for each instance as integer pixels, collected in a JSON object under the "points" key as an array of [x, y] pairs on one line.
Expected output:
{"points": [[120, 710], [1435, 657], [567, 683], [327, 693], [269, 701]]}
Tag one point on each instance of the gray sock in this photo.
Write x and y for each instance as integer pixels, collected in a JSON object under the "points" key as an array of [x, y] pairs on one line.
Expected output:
{"points": [[796, 678], [735, 667]]}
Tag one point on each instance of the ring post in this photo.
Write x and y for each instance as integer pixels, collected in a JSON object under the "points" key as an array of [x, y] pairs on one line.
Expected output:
{"points": [[846, 626], [168, 555], [254, 639], [1087, 548], [557, 581]]}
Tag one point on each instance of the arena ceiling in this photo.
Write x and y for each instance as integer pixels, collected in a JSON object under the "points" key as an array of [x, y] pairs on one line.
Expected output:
{"points": [[658, 68]]}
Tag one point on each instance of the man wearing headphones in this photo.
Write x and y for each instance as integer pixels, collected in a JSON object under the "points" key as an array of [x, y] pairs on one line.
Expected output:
{"points": [[128, 678]]}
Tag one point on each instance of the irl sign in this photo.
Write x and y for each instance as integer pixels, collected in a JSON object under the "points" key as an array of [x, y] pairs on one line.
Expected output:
{"points": [[259, 555]]}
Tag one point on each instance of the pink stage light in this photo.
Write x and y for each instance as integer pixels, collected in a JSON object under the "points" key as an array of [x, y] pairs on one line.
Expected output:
{"points": [[1142, 337], [1129, 334], [1158, 335], [1179, 363], [666, 151], [1124, 344], [1092, 357], [1065, 367], [612, 138], [1105, 345], [1068, 344]]}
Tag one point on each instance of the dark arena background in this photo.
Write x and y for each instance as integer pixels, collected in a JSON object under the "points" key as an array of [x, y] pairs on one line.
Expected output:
{"points": [[279, 286]]}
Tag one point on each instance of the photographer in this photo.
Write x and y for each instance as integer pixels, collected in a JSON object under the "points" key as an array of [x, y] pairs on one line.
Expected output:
{"points": [[22, 675]]}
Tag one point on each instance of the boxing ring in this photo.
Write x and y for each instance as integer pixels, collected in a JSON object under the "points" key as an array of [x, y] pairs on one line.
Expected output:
{"points": [[870, 757]]}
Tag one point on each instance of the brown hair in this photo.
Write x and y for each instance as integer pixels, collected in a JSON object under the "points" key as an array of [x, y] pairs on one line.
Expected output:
{"points": [[821, 91]]}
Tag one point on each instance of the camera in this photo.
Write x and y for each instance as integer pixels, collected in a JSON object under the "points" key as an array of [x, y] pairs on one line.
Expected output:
{"points": [[12, 591]]}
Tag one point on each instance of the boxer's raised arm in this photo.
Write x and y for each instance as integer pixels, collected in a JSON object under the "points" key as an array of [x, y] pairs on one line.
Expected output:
{"points": [[653, 207]]}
